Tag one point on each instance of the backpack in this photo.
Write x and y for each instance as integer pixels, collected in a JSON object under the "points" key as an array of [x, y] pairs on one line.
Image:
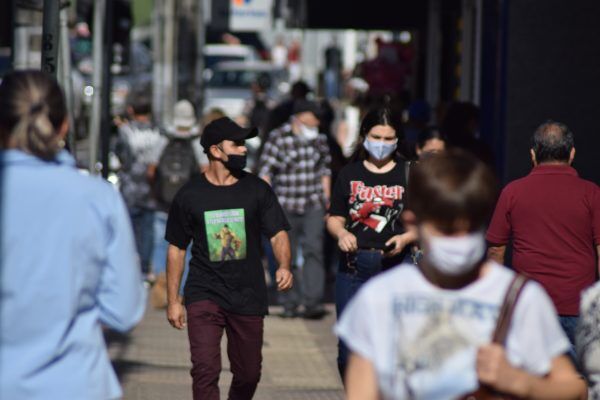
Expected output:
{"points": [[176, 166]]}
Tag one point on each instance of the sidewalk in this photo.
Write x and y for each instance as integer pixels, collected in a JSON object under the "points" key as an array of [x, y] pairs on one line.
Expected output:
{"points": [[298, 360]]}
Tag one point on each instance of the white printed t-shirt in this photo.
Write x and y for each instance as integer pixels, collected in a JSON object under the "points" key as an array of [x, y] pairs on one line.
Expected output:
{"points": [[587, 340], [423, 340]]}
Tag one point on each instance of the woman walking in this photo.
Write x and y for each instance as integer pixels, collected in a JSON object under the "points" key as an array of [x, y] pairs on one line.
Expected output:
{"points": [[366, 204], [68, 260]]}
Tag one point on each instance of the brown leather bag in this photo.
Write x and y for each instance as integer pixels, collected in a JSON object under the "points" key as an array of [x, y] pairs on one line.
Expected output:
{"points": [[500, 334]]}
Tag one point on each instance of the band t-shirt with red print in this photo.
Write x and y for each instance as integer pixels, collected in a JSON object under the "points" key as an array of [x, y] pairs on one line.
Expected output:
{"points": [[370, 202]]}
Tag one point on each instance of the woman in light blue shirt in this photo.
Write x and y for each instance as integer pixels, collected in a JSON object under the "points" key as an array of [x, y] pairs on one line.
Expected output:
{"points": [[67, 255]]}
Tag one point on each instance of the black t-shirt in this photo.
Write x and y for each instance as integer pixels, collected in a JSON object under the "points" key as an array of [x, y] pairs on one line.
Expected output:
{"points": [[225, 224], [370, 202]]}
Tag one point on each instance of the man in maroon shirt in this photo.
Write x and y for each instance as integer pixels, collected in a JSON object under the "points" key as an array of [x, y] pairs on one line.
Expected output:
{"points": [[553, 219]]}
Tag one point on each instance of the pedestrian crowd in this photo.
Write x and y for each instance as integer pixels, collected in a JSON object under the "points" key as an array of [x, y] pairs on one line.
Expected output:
{"points": [[404, 215]]}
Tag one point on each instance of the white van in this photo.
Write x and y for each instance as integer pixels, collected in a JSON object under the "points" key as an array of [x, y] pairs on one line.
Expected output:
{"points": [[215, 53]]}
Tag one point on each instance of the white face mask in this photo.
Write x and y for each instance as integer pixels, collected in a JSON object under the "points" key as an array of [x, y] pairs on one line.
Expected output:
{"points": [[308, 132], [454, 255]]}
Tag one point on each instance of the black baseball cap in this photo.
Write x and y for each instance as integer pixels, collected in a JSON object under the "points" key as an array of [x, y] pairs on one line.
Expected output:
{"points": [[303, 105], [224, 129]]}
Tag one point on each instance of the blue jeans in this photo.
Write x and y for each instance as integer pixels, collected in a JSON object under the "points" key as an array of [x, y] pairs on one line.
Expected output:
{"points": [[355, 269], [363, 265], [142, 220], [569, 326], [159, 256]]}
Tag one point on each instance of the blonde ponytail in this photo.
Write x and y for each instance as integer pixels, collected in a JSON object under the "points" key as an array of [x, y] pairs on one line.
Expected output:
{"points": [[35, 133], [32, 110]]}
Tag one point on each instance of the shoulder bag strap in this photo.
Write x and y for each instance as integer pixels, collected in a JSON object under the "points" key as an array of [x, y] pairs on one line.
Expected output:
{"points": [[508, 307], [407, 166]]}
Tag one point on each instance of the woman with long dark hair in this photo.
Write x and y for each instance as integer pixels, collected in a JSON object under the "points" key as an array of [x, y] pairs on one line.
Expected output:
{"points": [[366, 204], [68, 259]]}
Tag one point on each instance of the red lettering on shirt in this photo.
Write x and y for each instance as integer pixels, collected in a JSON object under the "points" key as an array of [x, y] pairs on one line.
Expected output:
{"points": [[358, 190]]}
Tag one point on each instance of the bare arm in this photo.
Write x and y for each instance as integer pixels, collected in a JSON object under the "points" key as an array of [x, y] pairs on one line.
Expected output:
{"points": [[175, 265], [336, 225], [326, 182], [496, 252], [361, 380], [151, 172], [281, 249], [562, 382]]}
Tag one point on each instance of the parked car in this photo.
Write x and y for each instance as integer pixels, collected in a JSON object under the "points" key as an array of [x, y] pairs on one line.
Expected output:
{"points": [[216, 53], [228, 84]]}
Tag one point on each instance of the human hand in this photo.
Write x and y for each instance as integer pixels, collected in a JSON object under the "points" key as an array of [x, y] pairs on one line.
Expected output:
{"points": [[118, 120], [347, 242], [494, 370], [399, 242], [176, 315], [284, 279]]}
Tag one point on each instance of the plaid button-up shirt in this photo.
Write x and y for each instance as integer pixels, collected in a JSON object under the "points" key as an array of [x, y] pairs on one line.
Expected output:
{"points": [[296, 167]]}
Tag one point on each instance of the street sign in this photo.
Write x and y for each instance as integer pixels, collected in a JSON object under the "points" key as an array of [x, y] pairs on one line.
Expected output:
{"points": [[250, 15]]}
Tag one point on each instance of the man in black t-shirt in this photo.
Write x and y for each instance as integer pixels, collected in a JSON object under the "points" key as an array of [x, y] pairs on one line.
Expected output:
{"points": [[224, 212]]}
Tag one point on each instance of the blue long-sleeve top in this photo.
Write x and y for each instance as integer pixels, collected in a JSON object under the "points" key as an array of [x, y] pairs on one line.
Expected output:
{"points": [[67, 265]]}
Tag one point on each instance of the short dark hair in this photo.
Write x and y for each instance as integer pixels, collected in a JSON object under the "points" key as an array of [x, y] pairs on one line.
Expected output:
{"points": [[299, 90], [452, 186], [552, 141], [428, 134], [140, 103]]}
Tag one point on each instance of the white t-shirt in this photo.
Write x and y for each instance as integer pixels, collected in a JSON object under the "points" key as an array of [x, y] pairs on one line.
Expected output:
{"points": [[423, 340], [279, 55], [588, 338]]}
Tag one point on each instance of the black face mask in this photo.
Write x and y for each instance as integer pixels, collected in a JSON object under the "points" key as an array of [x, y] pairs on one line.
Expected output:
{"points": [[235, 162]]}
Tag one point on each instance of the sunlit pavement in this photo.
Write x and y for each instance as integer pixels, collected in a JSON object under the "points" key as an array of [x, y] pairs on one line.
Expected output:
{"points": [[298, 360]]}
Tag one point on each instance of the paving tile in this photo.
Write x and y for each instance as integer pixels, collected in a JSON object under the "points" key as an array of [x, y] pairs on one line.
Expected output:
{"points": [[153, 360]]}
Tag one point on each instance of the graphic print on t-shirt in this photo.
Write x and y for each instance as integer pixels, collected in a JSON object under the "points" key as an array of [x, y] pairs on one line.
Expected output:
{"points": [[226, 234], [374, 207], [428, 362]]}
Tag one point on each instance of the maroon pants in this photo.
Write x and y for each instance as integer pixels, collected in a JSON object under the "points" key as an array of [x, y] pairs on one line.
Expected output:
{"points": [[206, 322]]}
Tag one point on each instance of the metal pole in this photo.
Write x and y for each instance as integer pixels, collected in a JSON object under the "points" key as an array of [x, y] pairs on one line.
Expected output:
{"points": [[169, 62], [50, 36], [467, 45], [433, 64], [200, 42], [65, 76], [105, 121], [97, 57], [477, 53], [158, 58], [13, 27]]}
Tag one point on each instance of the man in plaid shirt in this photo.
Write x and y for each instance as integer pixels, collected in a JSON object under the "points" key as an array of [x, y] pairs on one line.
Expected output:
{"points": [[295, 161]]}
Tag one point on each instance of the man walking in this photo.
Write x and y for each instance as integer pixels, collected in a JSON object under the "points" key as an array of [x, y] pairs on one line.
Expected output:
{"points": [[553, 218], [138, 147], [224, 293], [296, 161]]}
